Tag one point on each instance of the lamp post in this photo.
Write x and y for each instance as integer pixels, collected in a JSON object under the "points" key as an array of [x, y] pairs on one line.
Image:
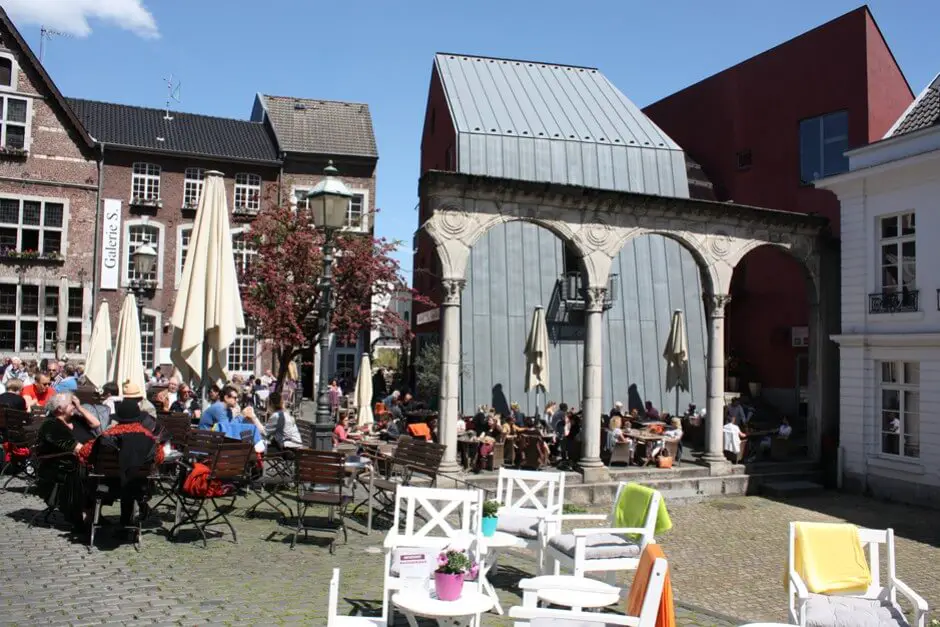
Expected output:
{"points": [[329, 206], [144, 258]]}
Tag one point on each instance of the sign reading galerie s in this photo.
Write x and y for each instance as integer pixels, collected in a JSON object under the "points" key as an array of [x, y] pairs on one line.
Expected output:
{"points": [[111, 244]]}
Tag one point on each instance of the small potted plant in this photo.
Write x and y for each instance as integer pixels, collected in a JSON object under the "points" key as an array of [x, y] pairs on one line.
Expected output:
{"points": [[490, 517], [452, 567]]}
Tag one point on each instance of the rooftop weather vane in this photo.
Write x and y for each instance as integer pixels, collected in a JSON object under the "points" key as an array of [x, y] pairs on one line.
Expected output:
{"points": [[173, 94], [47, 34]]}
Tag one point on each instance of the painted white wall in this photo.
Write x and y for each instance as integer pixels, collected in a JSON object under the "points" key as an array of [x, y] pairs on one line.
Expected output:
{"points": [[896, 176]]}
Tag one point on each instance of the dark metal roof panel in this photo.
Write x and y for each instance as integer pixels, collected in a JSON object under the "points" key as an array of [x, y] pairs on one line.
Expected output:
{"points": [[557, 123]]}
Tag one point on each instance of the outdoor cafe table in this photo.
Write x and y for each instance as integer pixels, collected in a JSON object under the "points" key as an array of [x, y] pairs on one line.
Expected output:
{"points": [[645, 438], [234, 430]]}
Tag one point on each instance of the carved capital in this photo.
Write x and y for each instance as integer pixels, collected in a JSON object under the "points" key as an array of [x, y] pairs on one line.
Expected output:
{"points": [[452, 291], [595, 297], [715, 304]]}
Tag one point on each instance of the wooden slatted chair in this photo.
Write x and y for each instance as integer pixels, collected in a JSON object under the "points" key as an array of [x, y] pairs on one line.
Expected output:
{"points": [[106, 469], [320, 478]]}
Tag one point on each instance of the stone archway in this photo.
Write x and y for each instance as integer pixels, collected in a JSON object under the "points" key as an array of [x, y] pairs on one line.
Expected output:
{"points": [[597, 223]]}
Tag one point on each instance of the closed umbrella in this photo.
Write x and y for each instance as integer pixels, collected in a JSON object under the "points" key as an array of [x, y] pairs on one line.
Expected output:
{"points": [[364, 392], [676, 355], [208, 310], [536, 355], [128, 363], [96, 365]]}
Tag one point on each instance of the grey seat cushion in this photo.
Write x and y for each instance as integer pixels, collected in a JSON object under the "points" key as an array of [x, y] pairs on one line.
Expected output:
{"points": [[599, 546], [826, 611], [519, 524]]}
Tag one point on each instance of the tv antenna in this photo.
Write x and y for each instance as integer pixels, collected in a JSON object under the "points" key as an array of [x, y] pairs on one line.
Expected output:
{"points": [[173, 94], [47, 34]]}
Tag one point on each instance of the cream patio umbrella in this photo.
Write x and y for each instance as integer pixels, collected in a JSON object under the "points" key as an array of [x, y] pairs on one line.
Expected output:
{"points": [[364, 392], [536, 356], [127, 363], [676, 355], [96, 365], [208, 310]]}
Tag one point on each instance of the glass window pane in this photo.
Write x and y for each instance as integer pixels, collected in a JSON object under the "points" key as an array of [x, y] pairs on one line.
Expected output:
{"points": [[6, 72], [29, 336], [810, 152], [909, 275], [54, 213], [889, 254], [31, 212], [7, 240], [888, 372], [907, 224], [51, 242], [834, 161], [16, 136], [73, 337], [30, 303], [912, 372], [29, 240], [16, 110], [7, 299], [49, 336], [836, 125], [891, 400], [890, 443], [891, 421], [7, 335], [889, 227], [52, 301], [9, 211], [909, 251], [889, 278], [75, 302]]}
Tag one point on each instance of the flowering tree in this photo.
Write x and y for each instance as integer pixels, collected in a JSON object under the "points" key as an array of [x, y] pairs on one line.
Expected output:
{"points": [[282, 284]]}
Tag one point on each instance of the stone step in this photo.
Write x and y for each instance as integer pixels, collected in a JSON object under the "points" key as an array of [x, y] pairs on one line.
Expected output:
{"points": [[785, 489]]}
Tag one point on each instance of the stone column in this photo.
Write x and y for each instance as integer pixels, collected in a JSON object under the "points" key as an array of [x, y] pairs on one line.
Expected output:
{"points": [[592, 381], [450, 372], [815, 382], [715, 412]]}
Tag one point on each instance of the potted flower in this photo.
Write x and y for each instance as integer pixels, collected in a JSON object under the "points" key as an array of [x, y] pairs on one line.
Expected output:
{"points": [[490, 517], [452, 566]]}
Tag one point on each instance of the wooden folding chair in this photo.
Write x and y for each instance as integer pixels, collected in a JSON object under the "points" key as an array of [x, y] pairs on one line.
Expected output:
{"points": [[320, 477]]}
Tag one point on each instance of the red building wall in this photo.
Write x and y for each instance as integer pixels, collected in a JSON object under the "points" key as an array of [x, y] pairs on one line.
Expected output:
{"points": [[757, 106]]}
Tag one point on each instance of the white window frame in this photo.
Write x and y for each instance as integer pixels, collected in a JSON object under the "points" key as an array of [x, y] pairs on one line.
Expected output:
{"points": [[247, 184], [157, 336], [242, 257], [42, 228], [180, 230], [147, 175], [243, 338], [899, 240], [27, 135], [194, 180], [14, 73], [366, 208], [125, 248], [41, 317], [901, 387]]}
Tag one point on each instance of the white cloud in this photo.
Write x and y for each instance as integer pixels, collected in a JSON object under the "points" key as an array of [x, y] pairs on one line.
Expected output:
{"points": [[71, 16]]}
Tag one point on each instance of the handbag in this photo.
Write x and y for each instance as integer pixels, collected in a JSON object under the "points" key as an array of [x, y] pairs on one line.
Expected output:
{"points": [[664, 462]]}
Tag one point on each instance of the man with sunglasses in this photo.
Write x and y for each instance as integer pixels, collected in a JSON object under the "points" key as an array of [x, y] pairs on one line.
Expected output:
{"points": [[221, 410]]}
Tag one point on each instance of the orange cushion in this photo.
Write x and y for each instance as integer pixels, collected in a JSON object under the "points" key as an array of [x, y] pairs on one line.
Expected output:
{"points": [[419, 430]]}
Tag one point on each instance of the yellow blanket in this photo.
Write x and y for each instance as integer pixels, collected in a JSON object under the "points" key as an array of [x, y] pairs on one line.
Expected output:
{"points": [[829, 558], [633, 504]]}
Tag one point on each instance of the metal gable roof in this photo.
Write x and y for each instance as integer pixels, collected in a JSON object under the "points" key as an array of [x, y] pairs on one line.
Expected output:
{"points": [[186, 133], [555, 123], [327, 127]]}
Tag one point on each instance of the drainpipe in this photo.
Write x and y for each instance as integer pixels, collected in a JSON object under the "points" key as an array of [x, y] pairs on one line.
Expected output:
{"points": [[96, 268]]}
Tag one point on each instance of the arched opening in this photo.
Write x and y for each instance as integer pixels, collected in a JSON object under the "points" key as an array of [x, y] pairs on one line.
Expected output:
{"points": [[769, 335], [655, 275], [513, 268]]}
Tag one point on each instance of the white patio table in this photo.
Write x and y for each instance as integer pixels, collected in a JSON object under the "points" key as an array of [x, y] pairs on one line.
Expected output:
{"points": [[464, 612]]}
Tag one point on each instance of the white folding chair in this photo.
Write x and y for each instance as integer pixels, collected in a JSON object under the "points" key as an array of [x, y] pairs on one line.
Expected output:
{"points": [[335, 620], [530, 502], [573, 618], [881, 601], [605, 549]]}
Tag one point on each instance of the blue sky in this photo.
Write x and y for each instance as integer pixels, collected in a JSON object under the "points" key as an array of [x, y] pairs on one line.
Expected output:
{"points": [[380, 52]]}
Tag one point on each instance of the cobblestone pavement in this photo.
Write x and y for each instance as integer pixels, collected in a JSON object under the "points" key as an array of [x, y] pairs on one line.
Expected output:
{"points": [[48, 579]]}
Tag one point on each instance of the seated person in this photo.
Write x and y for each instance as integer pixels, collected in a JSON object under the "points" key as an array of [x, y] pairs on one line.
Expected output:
{"points": [[39, 393], [281, 427], [138, 448], [342, 435], [672, 433], [58, 465], [615, 432], [783, 433], [735, 442], [185, 402], [11, 399], [222, 414], [651, 412]]}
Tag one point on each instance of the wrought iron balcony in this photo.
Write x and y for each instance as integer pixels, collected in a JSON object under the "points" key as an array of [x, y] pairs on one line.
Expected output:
{"points": [[904, 301], [572, 291]]}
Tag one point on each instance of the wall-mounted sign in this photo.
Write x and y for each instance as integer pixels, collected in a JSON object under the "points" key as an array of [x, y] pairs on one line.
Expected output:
{"points": [[111, 244], [431, 315], [799, 336]]}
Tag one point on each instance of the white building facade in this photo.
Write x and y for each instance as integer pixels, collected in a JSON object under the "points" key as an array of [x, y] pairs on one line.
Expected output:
{"points": [[890, 335]]}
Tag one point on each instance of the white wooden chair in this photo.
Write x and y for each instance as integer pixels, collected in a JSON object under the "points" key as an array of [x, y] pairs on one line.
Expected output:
{"points": [[428, 516], [528, 498], [876, 606], [335, 620], [530, 614], [601, 549]]}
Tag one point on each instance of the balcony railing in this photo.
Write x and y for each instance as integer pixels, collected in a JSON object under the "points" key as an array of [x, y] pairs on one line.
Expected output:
{"points": [[572, 292], [904, 301]]}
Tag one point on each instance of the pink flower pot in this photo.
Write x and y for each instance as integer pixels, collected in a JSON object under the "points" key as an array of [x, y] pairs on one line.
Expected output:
{"points": [[448, 586]]}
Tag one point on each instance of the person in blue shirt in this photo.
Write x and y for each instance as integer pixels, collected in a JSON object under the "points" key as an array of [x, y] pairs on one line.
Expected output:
{"points": [[221, 410]]}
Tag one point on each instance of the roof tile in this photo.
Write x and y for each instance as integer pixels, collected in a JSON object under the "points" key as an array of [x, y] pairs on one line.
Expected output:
{"points": [[327, 127], [924, 113]]}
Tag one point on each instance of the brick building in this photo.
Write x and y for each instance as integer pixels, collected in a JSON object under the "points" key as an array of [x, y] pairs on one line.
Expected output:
{"points": [[48, 191], [154, 165]]}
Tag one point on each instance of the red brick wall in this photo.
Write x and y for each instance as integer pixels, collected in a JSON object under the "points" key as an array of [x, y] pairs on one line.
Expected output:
{"points": [[117, 185], [59, 166]]}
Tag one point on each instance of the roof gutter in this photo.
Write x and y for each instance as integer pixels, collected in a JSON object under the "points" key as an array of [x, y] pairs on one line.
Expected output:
{"points": [[193, 155]]}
